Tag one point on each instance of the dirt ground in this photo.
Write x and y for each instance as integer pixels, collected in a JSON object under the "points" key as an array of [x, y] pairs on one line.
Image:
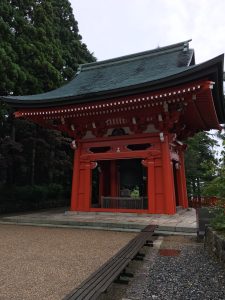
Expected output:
{"points": [[47, 263]]}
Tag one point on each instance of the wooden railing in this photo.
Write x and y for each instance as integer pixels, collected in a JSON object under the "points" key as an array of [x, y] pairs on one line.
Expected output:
{"points": [[124, 202], [197, 202]]}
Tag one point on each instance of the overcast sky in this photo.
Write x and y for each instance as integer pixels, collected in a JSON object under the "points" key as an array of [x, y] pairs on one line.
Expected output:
{"points": [[112, 28]]}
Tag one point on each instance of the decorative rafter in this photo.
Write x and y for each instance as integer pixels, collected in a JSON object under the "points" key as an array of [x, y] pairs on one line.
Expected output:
{"points": [[163, 109]]}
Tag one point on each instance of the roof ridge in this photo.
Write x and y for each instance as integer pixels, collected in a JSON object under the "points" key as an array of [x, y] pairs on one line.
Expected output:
{"points": [[133, 56]]}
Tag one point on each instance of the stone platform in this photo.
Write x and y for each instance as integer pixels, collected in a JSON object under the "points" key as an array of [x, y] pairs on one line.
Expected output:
{"points": [[183, 222]]}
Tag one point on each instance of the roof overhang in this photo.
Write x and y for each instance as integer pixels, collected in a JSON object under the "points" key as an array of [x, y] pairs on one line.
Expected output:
{"points": [[210, 70]]}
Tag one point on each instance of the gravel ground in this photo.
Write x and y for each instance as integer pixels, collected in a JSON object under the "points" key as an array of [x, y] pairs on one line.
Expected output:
{"points": [[192, 275], [39, 263]]}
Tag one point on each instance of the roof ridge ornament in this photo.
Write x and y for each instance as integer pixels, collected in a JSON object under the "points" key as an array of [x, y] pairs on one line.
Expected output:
{"points": [[186, 46]]}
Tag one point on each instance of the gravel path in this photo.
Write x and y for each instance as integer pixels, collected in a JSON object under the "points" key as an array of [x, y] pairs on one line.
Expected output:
{"points": [[192, 275], [39, 263]]}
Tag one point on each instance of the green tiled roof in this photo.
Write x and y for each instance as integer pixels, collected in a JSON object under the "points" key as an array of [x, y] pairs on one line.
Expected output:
{"points": [[122, 72], [132, 74]]}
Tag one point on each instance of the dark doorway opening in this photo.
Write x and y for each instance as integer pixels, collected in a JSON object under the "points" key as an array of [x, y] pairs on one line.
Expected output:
{"points": [[132, 176], [119, 183]]}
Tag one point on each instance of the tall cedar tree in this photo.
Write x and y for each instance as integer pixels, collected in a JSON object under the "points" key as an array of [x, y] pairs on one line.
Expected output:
{"points": [[40, 45], [40, 49]]}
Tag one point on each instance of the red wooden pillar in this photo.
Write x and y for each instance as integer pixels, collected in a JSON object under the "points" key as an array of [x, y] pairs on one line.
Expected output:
{"points": [[88, 186], [84, 191], [113, 179], [182, 189], [76, 179], [168, 179]]}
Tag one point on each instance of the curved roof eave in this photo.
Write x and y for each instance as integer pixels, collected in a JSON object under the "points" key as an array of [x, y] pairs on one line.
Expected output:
{"points": [[212, 68]]}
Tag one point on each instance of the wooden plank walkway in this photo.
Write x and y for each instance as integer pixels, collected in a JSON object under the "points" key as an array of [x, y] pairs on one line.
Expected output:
{"points": [[98, 282]]}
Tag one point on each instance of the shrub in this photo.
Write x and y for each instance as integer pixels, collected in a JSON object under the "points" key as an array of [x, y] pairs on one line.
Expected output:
{"points": [[215, 188], [55, 191], [25, 198], [39, 193], [22, 193], [218, 222]]}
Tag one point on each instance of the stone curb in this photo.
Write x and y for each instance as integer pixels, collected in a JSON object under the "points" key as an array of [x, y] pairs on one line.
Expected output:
{"points": [[95, 225]]}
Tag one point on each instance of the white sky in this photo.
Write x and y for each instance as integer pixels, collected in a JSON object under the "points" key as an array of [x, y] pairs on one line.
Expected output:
{"points": [[112, 28]]}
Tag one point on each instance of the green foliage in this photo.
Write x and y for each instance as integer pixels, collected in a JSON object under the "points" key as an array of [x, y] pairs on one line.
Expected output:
{"points": [[135, 193], [39, 193], [55, 191], [216, 187], [218, 222], [40, 45], [200, 161], [221, 136], [22, 198], [40, 49]]}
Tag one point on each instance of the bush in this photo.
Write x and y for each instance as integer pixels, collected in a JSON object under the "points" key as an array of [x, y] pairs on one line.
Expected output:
{"points": [[55, 191], [22, 193], [39, 193], [218, 222], [215, 188], [25, 198]]}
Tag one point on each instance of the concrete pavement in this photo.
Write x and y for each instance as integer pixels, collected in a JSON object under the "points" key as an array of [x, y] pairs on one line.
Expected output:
{"points": [[184, 221]]}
